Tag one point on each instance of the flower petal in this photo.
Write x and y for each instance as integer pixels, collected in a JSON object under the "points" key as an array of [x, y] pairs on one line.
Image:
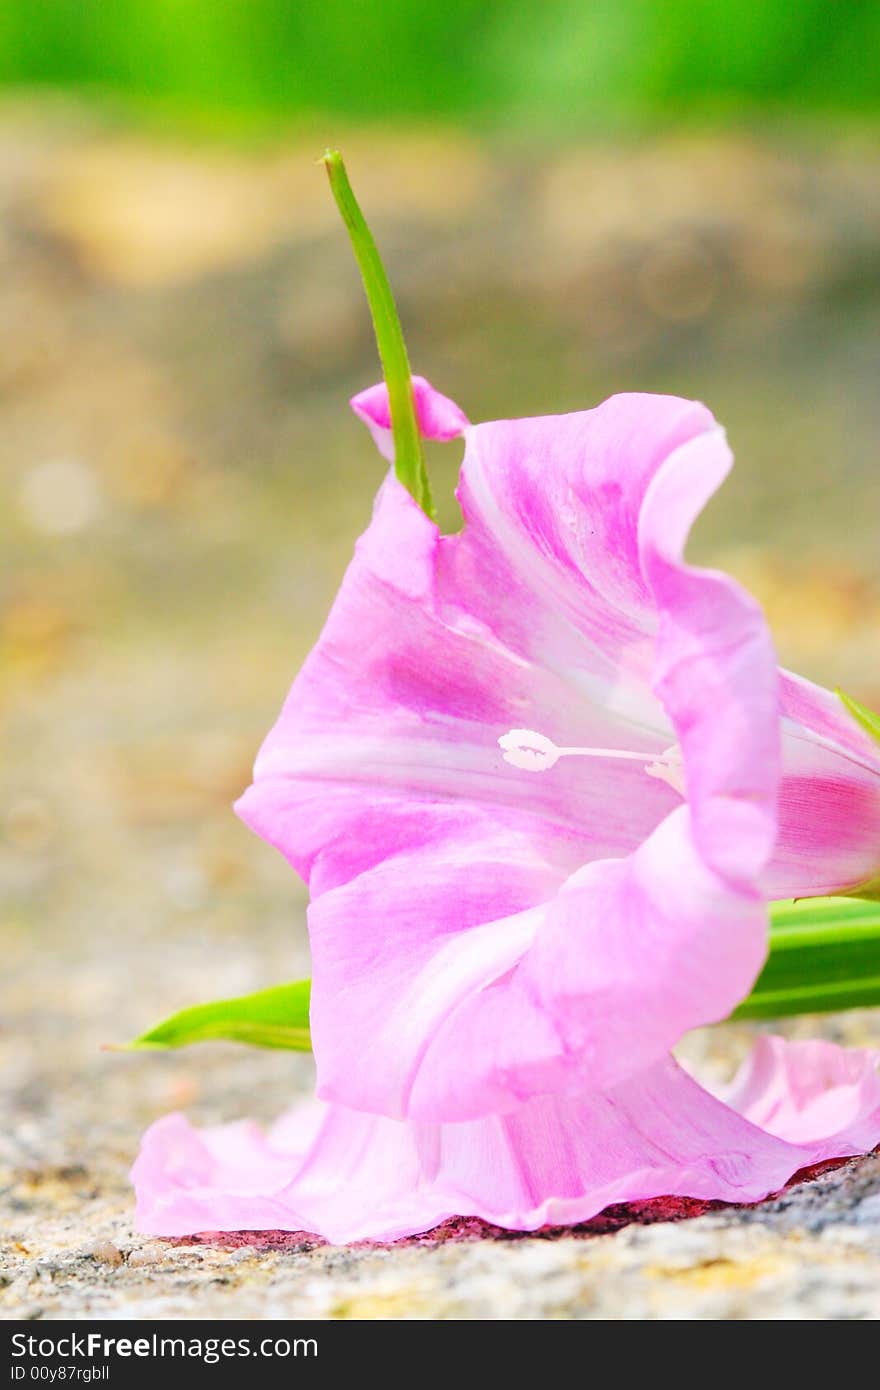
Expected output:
{"points": [[438, 417], [226, 1178], [715, 671], [811, 1093], [408, 691], [829, 803], [556, 1160], [457, 916], [478, 1021], [535, 617]]}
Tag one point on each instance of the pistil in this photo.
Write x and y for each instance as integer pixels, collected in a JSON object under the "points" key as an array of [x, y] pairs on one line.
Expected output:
{"points": [[533, 752]]}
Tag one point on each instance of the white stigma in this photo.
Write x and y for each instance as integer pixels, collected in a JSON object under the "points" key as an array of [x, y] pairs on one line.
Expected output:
{"points": [[534, 752]]}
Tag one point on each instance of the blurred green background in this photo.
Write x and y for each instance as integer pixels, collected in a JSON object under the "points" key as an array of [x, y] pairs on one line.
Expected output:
{"points": [[573, 199], [552, 63]]}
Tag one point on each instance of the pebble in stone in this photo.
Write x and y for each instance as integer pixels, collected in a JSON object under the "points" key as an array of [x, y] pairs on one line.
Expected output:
{"points": [[868, 1211], [146, 1255], [106, 1253], [238, 1257]]}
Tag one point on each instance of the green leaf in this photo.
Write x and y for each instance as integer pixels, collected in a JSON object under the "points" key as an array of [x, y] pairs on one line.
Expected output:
{"points": [[824, 956], [869, 721], [277, 1017], [409, 459]]}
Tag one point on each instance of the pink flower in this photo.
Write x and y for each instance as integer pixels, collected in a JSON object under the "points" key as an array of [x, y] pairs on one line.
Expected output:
{"points": [[532, 775]]}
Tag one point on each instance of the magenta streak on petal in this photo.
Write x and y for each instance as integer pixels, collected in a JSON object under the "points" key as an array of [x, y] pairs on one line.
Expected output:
{"points": [[829, 803]]}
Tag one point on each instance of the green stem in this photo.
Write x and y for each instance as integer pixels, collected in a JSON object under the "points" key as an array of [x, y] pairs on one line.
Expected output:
{"points": [[409, 462]]}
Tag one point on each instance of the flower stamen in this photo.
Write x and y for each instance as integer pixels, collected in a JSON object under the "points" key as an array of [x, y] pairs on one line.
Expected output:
{"points": [[533, 752]]}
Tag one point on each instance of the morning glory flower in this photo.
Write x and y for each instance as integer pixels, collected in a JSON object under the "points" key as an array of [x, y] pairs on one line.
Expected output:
{"points": [[541, 777], [507, 926], [509, 922]]}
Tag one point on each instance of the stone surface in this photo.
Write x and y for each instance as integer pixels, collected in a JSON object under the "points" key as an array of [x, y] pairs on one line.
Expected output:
{"points": [[180, 488], [813, 1252]]}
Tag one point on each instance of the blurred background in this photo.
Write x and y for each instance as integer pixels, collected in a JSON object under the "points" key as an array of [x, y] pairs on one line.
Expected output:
{"points": [[573, 199]]}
